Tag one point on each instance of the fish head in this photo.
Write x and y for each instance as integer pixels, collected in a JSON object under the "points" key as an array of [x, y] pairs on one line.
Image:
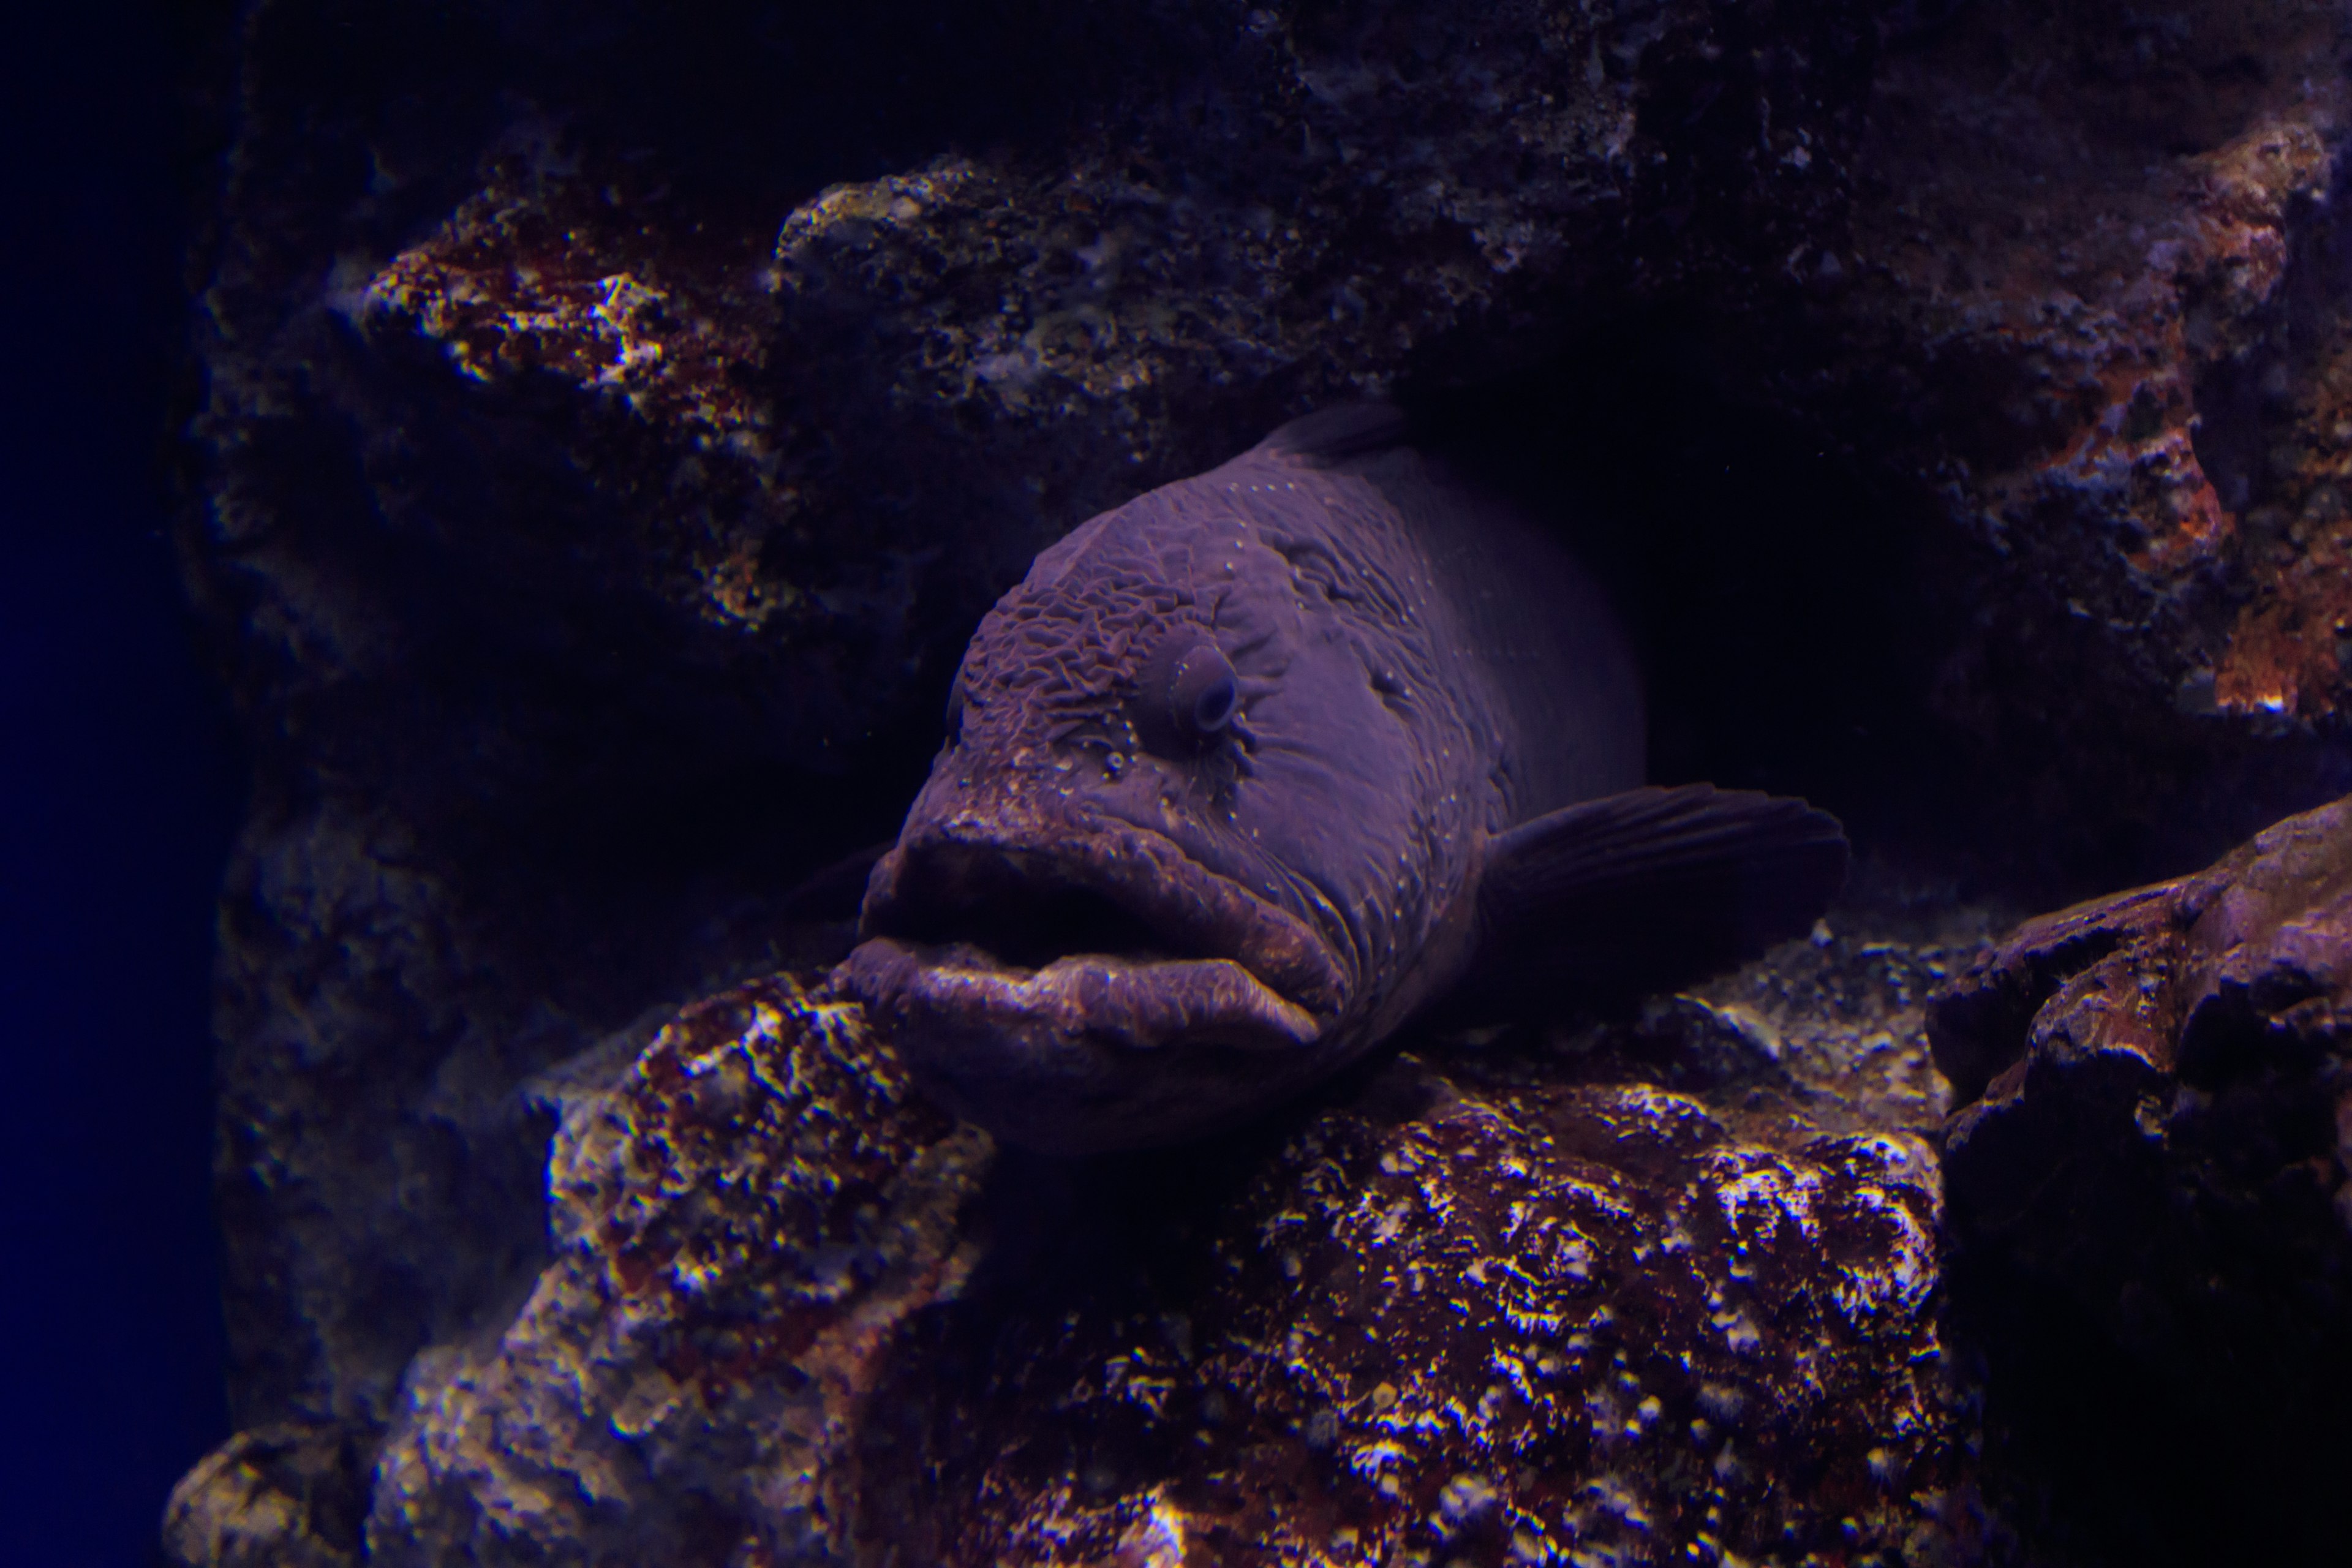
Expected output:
{"points": [[1200, 818]]}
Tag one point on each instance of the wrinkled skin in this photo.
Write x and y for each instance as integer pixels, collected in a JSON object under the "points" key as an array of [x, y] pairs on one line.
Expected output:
{"points": [[1117, 916]]}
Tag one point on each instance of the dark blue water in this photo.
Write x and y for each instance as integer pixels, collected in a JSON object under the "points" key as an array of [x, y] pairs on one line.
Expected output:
{"points": [[117, 797]]}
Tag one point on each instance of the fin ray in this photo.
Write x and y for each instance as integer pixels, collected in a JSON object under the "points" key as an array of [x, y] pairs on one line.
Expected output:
{"points": [[1651, 887]]}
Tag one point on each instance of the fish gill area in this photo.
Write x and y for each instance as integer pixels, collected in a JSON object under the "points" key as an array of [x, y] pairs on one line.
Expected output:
{"points": [[611, 422]]}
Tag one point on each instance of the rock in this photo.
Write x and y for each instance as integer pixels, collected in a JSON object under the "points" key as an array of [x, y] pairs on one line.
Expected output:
{"points": [[2118, 348], [2076, 322], [743, 1218], [2159, 1148], [1659, 1287], [867, 398], [279, 1496], [1490, 1322]]}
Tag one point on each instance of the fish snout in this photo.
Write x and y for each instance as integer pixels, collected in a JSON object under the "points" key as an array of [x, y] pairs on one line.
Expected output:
{"points": [[1090, 1052], [1074, 982], [1034, 888]]}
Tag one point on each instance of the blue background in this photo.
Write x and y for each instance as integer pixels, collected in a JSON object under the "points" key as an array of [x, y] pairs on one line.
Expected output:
{"points": [[118, 794]]}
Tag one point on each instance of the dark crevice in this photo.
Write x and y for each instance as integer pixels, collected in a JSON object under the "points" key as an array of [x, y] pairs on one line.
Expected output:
{"points": [[1811, 621], [1784, 603], [2097, 1454]]}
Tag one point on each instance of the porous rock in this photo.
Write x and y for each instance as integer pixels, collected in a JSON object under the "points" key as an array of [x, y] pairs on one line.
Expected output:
{"points": [[1657, 1287], [742, 1216], [1466, 1322]]}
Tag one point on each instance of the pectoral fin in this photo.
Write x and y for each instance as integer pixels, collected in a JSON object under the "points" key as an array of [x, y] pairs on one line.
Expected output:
{"points": [[1652, 888]]}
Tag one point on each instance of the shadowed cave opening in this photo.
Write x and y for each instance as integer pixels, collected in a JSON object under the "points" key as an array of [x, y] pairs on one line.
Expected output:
{"points": [[1810, 620], [1788, 606]]}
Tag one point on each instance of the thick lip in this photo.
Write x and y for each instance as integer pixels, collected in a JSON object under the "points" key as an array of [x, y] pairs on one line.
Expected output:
{"points": [[1221, 1002], [1085, 999], [1234, 967]]}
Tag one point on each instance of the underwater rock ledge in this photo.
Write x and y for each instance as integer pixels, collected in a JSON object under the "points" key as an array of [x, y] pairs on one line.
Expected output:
{"points": [[1666, 1288]]}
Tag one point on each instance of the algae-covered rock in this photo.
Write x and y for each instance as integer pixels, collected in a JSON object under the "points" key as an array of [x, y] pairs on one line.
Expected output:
{"points": [[1507, 1326], [1654, 1290], [743, 1218]]}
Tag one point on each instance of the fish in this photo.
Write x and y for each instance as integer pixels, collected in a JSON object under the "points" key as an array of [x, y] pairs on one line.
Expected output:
{"points": [[1250, 771]]}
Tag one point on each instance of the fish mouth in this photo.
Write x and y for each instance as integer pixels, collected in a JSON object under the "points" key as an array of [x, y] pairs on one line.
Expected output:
{"points": [[1090, 988]]}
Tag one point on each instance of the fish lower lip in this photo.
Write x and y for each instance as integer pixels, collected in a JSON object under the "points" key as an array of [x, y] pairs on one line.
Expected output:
{"points": [[1220, 1001], [1081, 1000], [1089, 1052], [1194, 912]]}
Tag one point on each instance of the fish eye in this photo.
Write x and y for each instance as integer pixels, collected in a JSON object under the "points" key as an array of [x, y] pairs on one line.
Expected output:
{"points": [[1214, 708], [1187, 696], [1201, 691]]}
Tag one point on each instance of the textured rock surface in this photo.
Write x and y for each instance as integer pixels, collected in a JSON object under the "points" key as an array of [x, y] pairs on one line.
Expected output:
{"points": [[278, 1497], [2161, 1149], [2107, 254], [1489, 1308], [743, 1218], [937, 371], [2071, 292], [1663, 1288]]}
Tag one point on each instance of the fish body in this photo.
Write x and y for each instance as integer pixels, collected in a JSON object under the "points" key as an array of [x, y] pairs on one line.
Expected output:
{"points": [[1248, 770]]}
